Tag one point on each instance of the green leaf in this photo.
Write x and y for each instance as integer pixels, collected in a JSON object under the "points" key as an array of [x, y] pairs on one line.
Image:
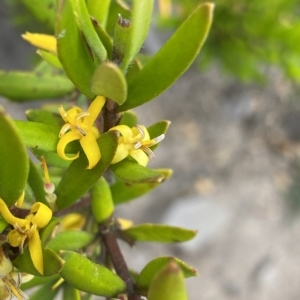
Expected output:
{"points": [[102, 204], [117, 7], [35, 281], [39, 136], [3, 224], [104, 37], [77, 180], [172, 60], [168, 284], [134, 68], [129, 118], [138, 29], [157, 129], [109, 81], [70, 240], [43, 11], [50, 58], [131, 172], [89, 277], [52, 158], [72, 51], [124, 192], [86, 26], [159, 233], [36, 183], [24, 86], [47, 231], [52, 263], [14, 164], [70, 293], [151, 269], [45, 292], [45, 117], [99, 10]]}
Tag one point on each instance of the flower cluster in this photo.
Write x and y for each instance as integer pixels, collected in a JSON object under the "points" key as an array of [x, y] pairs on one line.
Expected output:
{"points": [[26, 231]]}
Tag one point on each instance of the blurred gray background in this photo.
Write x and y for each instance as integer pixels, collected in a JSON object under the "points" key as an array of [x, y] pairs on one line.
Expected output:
{"points": [[235, 152]]}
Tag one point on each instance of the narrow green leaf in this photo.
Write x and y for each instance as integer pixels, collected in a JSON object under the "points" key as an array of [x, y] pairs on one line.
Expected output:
{"points": [[151, 269], [50, 58], [52, 263], [45, 117], [124, 192], [104, 37], [117, 7], [45, 292], [52, 158], [99, 10], [23, 86], [3, 224], [157, 129], [38, 135], [109, 81], [35, 281], [89, 277], [70, 240], [131, 172], [134, 68], [77, 180], [168, 284], [70, 293], [43, 11], [14, 163], [102, 204], [160, 233], [72, 51], [46, 232], [172, 60], [86, 26], [140, 22], [129, 118], [36, 183]]}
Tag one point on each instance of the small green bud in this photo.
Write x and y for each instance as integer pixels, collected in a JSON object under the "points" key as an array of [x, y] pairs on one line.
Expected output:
{"points": [[168, 284]]}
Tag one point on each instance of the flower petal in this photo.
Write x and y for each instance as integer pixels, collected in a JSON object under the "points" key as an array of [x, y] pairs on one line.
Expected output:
{"points": [[121, 153], [35, 250], [141, 157], [64, 141], [43, 41], [42, 216], [91, 149], [8, 217], [94, 110], [124, 130]]}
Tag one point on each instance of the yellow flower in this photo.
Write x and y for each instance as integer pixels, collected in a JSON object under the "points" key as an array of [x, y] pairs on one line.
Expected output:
{"points": [[135, 142], [79, 126], [9, 281], [42, 41], [26, 231]]}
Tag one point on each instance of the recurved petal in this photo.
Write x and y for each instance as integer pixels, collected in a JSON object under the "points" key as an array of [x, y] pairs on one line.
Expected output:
{"points": [[36, 252], [42, 41], [94, 110], [42, 216], [64, 141], [121, 153], [91, 149], [124, 130], [140, 156], [8, 217]]}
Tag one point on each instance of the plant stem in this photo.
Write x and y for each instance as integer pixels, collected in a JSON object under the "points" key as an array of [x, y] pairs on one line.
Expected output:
{"points": [[118, 261], [111, 116]]}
